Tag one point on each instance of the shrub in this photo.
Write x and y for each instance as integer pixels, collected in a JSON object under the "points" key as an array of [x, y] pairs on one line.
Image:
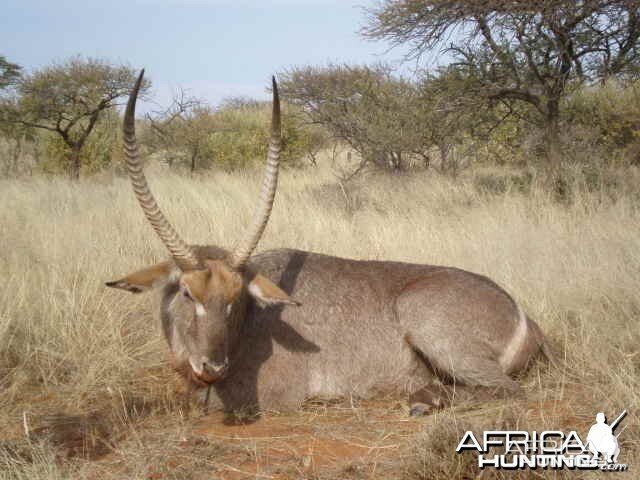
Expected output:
{"points": [[101, 150], [234, 136], [607, 117]]}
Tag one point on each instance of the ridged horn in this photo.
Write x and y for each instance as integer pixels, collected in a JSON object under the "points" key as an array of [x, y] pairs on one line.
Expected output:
{"points": [[248, 243], [180, 251]]}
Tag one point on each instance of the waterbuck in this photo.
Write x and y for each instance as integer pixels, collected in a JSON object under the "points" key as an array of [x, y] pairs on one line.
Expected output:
{"points": [[268, 331]]}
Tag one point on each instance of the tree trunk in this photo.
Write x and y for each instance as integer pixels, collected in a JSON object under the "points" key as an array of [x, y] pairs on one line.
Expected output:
{"points": [[312, 158], [553, 151], [194, 156], [74, 168], [17, 153], [395, 161], [444, 158], [453, 161], [426, 159]]}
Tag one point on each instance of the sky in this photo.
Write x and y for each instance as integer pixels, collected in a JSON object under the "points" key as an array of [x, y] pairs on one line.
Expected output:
{"points": [[212, 48]]}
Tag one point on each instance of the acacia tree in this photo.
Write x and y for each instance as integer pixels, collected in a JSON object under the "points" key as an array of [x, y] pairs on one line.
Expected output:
{"points": [[14, 134], [517, 50], [183, 130], [384, 118], [68, 99], [9, 73], [361, 106]]}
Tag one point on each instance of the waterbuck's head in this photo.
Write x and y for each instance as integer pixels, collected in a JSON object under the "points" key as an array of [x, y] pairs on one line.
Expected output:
{"points": [[205, 289]]}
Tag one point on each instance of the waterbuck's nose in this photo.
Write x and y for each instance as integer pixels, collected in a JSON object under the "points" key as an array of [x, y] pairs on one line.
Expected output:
{"points": [[207, 370]]}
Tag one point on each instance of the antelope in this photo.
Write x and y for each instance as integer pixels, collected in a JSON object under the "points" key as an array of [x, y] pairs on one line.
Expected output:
{"points": [[269, 331]]}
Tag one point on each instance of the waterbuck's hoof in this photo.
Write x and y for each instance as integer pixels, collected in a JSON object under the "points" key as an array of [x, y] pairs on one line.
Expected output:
{"points": [[426, 400], [420, 409]]}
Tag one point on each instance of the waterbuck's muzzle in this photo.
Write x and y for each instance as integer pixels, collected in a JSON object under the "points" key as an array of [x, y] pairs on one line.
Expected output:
{"points": [[208, 371]]}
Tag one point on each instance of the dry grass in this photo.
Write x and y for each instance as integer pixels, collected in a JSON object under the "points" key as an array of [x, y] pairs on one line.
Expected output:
{"points": [[85, 367]]}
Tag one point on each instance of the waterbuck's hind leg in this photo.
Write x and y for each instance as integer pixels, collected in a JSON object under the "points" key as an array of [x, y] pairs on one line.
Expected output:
{"points": [[474, 374], [467, 329]]}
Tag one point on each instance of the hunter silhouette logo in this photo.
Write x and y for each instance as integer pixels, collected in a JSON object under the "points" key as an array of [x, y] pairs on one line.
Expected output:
{"points": [[602, 441], [550, 449]]}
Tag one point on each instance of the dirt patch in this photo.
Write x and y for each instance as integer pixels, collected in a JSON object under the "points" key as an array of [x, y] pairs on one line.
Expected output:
{"points": [[352, 440], [346, 439]]}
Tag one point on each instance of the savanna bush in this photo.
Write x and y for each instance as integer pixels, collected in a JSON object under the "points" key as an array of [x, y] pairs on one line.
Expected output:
{"points": [[102, 149], [605, 120], [242, 137]]}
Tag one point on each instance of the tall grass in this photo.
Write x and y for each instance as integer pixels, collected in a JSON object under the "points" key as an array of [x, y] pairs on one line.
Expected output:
{"points": [[68, 344]]}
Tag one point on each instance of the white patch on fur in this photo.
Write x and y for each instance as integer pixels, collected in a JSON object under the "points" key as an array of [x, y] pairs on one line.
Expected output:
{"points": [[177, 343], [200, 310], [516, 343], [321, 384], [199, 365], [174, 276], [315, 383], [254, 289], [228, 309], [218, 367], [196, 365]]}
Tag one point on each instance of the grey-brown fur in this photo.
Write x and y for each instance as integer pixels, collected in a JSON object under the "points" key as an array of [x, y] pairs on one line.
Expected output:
{"points": [[362, 326]]}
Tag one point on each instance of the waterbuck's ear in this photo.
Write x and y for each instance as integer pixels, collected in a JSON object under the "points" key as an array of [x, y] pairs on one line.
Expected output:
{"points": [[144, 279], [268, 293]]}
